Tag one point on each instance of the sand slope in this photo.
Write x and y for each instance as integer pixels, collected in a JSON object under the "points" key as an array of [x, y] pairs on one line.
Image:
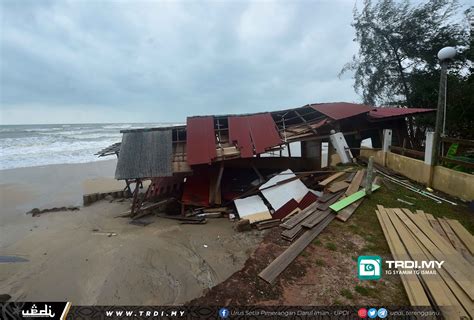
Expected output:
{"points": [[162, 263]]}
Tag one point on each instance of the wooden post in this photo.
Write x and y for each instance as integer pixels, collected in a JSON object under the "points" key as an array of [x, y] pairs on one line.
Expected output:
{"points": [[217, 187], [135, 197], [369, 177]]}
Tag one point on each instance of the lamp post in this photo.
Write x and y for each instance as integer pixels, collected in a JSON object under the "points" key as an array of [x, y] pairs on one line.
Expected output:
{"points": [[444, 55]]}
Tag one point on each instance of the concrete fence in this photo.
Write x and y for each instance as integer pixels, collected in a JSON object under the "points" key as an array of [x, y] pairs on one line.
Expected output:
{"points": [[452, 182]]}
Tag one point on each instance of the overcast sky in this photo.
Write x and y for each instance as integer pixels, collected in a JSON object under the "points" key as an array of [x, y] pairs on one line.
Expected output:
{"points": [[144, 61]]}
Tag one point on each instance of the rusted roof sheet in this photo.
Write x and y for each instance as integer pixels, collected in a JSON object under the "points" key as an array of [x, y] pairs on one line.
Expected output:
{"points": [[390, 112], [341, 110], [251, 132], [239, 134], [200, 140], [263, 131]]}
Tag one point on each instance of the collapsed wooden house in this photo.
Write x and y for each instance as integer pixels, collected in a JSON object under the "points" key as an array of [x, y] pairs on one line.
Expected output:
{"points": [[194, 157]]}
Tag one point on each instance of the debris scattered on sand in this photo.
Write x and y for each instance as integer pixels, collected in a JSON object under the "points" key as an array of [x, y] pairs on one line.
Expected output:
{"points": [[36, 212]]}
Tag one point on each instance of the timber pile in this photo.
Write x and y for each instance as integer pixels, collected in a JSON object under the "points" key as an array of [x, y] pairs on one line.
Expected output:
{"points": [[420, 236], [340, 199]]}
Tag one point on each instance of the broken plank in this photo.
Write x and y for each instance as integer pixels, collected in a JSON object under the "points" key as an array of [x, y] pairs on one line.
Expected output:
{"points": [[314, 219], [347, 212], [300, 216], [463, 234], [355, 183], [351, 199], [331, 178], [338, 186], [277, 266]]}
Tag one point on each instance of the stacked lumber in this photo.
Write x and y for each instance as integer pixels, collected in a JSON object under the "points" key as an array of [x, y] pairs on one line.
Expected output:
{"points": [[277, 266], [421, 237]]}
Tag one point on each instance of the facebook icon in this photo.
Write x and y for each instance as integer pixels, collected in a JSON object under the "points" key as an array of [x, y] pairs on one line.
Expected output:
{"points": [[223, 313]]}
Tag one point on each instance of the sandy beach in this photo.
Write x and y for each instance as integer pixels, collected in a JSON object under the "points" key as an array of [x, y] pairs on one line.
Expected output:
{"points": [[72, 257]]}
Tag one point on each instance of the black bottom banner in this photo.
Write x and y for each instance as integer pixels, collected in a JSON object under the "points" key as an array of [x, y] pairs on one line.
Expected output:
{"points": [[64, 310]]}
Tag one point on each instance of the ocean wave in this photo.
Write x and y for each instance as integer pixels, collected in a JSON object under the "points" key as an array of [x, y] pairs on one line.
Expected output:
{"points": [[33, 145]]}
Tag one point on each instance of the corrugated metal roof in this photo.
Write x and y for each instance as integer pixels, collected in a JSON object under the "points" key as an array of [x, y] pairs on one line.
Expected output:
{"points": [[341, 110], [200, 140], [253, 132], [389, 112], [239, 134], [145, 155], [263, 131]]}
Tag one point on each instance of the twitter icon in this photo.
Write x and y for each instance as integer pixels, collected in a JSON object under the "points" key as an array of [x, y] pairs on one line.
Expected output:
{"points": [[372, 313]]}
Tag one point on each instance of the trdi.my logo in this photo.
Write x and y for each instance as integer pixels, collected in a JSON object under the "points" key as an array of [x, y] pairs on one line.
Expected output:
{"points": [[369, 267]]}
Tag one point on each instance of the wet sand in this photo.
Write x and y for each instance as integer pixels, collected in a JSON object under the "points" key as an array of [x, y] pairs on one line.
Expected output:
{"points": [[71, 257]]}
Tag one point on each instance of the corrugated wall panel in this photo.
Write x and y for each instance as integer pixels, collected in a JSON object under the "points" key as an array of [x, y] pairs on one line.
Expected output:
{"points": [[200, 140], [145, 155]]}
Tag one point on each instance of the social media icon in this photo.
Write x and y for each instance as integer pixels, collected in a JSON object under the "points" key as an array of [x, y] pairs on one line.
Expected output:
{"points": [[382, 313], [224, 313], [372, 313], [362, 313]]}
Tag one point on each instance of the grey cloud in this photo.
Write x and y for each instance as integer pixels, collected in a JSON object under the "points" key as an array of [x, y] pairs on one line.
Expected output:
{"points": [[167, 60]]}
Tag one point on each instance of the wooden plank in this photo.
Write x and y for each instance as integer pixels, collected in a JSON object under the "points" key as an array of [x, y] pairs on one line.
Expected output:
{"points": [[462, 297], [423, 215], [463, 234], [297, 218], [350, 199], [445, 246], [347, 212], [451, 264], [411, 283], [338, 186], [325, 206], [326, 197], [436, 226], [457, 244], [277, 266], [350, 177], [331, 178], [438, 290], [292, 234], [355, 183], [314, 219]]}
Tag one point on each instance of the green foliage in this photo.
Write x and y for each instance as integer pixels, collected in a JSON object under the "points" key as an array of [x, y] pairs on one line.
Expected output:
{"points": [[397, 61]]}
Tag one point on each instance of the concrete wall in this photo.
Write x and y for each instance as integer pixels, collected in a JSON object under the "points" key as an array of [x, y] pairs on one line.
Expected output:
{"points": [[459, 184], [455, 183]]}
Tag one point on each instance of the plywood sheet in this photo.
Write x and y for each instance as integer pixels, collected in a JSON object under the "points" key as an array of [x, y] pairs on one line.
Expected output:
{"points": [[252, 208]]}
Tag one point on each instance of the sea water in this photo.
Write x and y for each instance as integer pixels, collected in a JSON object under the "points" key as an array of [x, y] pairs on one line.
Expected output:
{"points": [[36, 145]]}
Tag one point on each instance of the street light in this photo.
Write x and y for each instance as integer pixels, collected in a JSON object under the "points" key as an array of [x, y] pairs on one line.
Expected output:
{"points": [[444, 56]]}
